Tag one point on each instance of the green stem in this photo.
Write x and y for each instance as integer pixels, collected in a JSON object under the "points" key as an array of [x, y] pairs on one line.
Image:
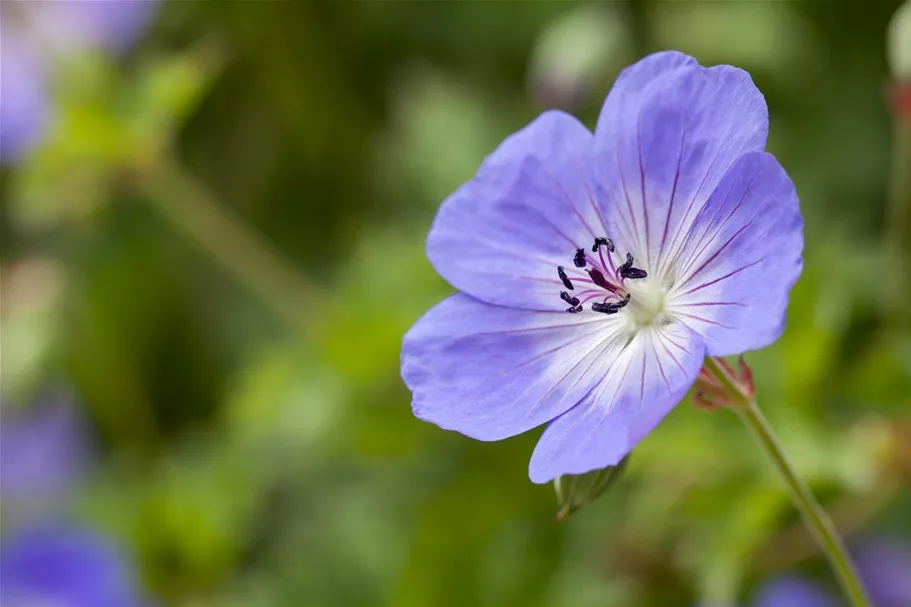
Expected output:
{"points": [[230, 243], [899, 219], [814, 517]]}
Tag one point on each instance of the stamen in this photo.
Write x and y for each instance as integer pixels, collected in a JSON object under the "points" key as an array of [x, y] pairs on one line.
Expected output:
{"points": [[562, 274], [607, 242], [597, 285], [626, 264], [579, 259], [598, 295], [605, 308], [634, 273], [611, 307], [573, 301]]}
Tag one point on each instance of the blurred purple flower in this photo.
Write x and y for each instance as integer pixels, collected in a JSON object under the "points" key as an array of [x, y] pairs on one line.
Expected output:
{"points": [[885, 566], [32, 34], [42, 452], [65, 566], [793, 591], [599, 270]]}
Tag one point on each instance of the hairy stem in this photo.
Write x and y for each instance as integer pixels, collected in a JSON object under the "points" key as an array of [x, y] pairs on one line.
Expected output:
{"points": [[815, 518]]}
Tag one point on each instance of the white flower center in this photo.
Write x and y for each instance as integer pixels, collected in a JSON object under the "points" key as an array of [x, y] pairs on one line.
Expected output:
{"points": [[647, 304]]}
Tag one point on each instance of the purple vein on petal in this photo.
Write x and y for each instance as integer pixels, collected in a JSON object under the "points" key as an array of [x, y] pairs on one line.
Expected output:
{"points": [[603, 345], [552, 226], [661, 370], [629, 203], [627, 227], [705, 320], [616, 385], [550, 281], [710, 303], [715, 255], [571, 202], [678, 345], [671, 354], [642, 188], [677, 246], [531, 329], [725, 277], [703, 244], [692, 258], [591, 200], [518, 254], [596, 397], [736, 234], [645, 349], [670, 206], [574, 340]]}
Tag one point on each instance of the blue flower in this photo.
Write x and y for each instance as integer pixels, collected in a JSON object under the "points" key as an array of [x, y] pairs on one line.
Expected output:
{"points": [[598, 270], [43, 451], [793, 591], [71, 567], [885, 566], [32, 35]]}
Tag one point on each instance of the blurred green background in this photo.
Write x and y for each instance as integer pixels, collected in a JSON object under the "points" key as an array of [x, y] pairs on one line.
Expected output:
{"points": [[215, 252]]}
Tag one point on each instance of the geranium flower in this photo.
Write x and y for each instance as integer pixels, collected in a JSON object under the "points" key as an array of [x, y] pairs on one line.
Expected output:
{"points": [[32, 36], [793, 591], [598, 270], [60, 565], [43, 452], [883, 564]]}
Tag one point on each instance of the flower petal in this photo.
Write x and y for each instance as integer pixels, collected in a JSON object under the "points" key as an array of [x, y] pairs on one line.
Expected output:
{"points": [[741, 258], [661, 152], [626, 94], [492, 372], [501, 236], [646, 380]]}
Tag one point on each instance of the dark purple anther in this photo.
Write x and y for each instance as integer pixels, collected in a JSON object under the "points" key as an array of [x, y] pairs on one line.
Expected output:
{"points": [[562, 274], [633, 273], [606, 308], [607, 242], [573, 301], [579, 258], [626, 264], [611, 307]]}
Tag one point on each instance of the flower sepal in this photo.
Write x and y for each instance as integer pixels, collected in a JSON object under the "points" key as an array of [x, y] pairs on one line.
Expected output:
{"points": [[576, 490], [721, 385]]}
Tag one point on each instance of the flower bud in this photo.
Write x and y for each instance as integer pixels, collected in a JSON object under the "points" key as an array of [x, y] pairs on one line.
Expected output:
{"points": [[899, 43], [580, 50], [576, 490]]}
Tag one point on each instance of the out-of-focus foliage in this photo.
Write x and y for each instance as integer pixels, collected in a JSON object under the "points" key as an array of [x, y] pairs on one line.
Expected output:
{"points": [[248, 458]]}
